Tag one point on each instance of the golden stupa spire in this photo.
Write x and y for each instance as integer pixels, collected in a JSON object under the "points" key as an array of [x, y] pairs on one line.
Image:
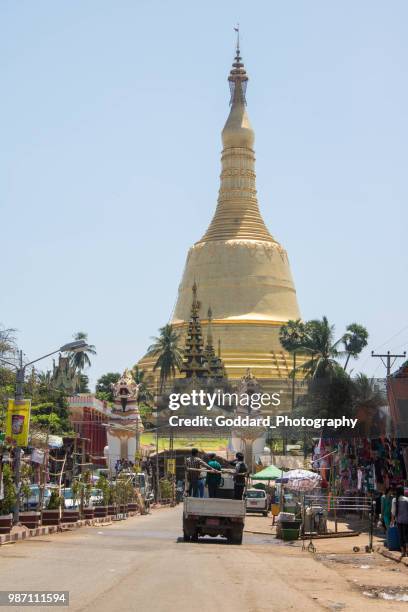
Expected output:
{"points": [[209, 348], [194, 360], [237, 215]]}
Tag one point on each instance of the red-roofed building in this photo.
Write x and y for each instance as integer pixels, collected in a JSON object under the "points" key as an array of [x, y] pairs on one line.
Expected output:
{"points": [[89, 417]]}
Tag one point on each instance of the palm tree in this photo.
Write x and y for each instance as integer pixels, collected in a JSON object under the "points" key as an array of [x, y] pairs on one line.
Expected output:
{"points": [[354, 340], [292, 338], [368, 397], [165, 347], [319, 342], [80, 359], [145, 396]]}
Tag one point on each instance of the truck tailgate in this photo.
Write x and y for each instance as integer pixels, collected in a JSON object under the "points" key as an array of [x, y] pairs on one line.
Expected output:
{"points": [[209, 506]]}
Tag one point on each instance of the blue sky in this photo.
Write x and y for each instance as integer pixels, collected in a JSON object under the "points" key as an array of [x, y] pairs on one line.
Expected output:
{"points": [[110, 158]]}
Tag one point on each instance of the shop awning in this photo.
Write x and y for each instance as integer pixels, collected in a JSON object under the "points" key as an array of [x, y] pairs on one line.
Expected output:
{"points": [[269, 473]]}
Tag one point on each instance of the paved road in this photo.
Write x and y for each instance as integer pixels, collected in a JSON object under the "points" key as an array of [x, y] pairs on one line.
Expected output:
{"points": [[142, 564]]}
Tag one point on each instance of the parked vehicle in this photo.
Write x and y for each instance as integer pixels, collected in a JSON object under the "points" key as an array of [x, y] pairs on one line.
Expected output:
{"points": [[67, 494], [33, 501], [256, 500], [213, 516]]}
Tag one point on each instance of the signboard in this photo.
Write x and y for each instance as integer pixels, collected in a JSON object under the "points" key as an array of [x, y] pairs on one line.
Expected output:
{"points": [[18, 421], [171, 466]]}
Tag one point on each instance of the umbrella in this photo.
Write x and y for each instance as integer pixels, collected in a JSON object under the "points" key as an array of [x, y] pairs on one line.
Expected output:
{"points": [[269, 473], [301, 480]]}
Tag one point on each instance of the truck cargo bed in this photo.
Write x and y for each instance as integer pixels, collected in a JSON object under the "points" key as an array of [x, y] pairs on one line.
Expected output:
{"points": [[210, 506]]}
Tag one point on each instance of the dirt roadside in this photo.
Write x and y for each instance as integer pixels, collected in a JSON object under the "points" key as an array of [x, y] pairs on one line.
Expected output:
{"points": [[370, 577]]}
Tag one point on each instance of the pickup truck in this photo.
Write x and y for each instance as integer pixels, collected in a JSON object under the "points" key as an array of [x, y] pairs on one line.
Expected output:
{"points": [[213, 516]]}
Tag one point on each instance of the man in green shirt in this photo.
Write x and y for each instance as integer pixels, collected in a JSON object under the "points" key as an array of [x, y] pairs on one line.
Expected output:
{"points": [[213, 478]]}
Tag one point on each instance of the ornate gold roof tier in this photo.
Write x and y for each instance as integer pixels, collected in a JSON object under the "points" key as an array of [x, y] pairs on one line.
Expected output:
{"points": [[241, 271]]}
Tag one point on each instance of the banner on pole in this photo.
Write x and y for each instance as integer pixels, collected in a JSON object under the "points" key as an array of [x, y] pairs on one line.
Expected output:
{"points": [[18, 421]]}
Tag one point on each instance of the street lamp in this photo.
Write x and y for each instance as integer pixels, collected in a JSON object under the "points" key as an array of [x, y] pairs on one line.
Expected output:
{"points": [[73, 347]]}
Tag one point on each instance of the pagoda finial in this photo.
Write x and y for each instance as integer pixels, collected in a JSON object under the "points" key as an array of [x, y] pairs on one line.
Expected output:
{"points": [[238, 77], [209, 332], [236, 28], [195, 306]]}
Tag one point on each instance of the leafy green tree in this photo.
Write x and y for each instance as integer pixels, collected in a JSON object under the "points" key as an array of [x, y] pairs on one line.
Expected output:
{"points": [[354, 340], [8, 348], [169, 356], [368, 398], [7, 339], [80, 359], [103, 387], [328, 397], [52, 416], [7, 388]]}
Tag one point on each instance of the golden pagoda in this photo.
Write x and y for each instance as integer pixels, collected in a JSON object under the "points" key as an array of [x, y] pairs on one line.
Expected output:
{"points": [[242, 272]]}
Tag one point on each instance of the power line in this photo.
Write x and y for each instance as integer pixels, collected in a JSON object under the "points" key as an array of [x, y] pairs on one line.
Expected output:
{"points": [[392, 338]]}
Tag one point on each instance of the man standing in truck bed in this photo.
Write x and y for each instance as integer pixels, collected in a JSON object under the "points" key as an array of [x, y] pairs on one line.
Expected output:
{"points": [[213, 478], [193, 467], [240, 474]]}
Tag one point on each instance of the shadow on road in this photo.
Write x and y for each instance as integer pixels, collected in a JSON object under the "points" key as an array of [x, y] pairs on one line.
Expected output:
{"points": [[203, 541]]}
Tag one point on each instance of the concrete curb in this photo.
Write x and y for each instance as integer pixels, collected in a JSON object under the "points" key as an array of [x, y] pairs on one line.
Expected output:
{"points": [[24, 533], [393, 555]]}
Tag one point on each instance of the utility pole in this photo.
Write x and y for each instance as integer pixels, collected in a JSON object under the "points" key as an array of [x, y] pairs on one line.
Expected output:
{"points": [[18, 397], [388, 356], [20, 368]]}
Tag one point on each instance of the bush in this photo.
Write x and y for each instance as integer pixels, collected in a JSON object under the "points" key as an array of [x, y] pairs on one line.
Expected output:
{"points": [[105, 488], [166, 489], [10, 495], [55, 501]]}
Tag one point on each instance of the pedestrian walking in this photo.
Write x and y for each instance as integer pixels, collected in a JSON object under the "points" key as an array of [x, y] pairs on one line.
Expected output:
{"points": [[386, 502], [399, 516]]}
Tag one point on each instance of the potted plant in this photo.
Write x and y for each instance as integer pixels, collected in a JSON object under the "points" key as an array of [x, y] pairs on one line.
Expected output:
{"points": [[52, 514], [30, 517], [126, 495], [71, 515], [9, 500], [112, 499], [101, 508], [86, 492]]}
